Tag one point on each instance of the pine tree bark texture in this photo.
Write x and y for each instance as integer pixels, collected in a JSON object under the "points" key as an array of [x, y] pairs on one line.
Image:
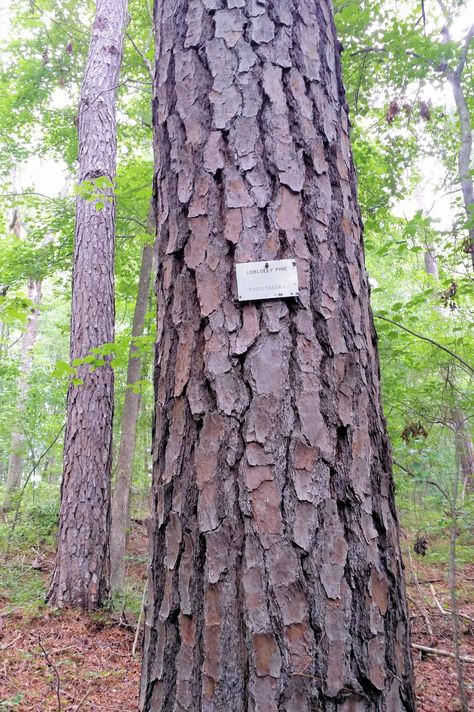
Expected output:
{"points": [[276, 579], [81, 573], [123, 481]]}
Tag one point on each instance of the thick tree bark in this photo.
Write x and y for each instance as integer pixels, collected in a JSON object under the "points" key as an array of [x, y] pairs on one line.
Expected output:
{"points": [[16, 458], [276, 579], [82, 563], [123, 482]]}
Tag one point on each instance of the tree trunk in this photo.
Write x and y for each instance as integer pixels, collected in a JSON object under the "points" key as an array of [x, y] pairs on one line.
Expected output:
{"points": [[464, 449], [454, 77], [276, 578], [464, 156], [462, 436], [16, 459], [121, 493], [81, 573]]}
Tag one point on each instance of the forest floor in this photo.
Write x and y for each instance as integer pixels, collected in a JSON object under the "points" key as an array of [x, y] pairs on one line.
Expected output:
{"points": [[62, 661]]}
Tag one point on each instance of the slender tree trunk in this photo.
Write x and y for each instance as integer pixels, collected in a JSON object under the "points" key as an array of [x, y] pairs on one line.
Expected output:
{"points": [[464, 444], [454, 77], [464, 157], [464, 450], [3, 340], [431, 264], [276, 579], [121, 493], [462, 435], [453, 588], [16, 459], [81, 573]]}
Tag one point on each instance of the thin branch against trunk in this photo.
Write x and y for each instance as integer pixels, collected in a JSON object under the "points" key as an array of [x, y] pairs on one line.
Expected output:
{"points": [[143, 57], [27, 480], [426, 338], [81, 575], [429, 482]]}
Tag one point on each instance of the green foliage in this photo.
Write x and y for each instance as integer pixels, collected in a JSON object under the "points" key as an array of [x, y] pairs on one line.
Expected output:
{"points": [[129, 599], [12, 703], [21, 586], [33, 517], [98, 191]]}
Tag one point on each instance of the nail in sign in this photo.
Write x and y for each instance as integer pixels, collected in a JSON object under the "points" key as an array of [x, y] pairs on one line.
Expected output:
{"points": [[273, 279]]}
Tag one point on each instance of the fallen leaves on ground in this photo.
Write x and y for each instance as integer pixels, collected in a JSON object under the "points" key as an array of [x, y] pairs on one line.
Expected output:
{"points": [[94, 668], [436, 679], [92, 663]]}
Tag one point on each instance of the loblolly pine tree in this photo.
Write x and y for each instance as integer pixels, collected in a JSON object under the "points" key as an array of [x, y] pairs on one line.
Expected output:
{"points": [[276, 579], [81, 574]]}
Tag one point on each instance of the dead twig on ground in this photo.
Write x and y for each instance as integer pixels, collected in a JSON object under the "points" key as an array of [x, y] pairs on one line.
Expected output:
{"points": [[446, 612], [12, 642], [436, 600], [83, 699], [50, 664], [142, 609], [443, 653]]}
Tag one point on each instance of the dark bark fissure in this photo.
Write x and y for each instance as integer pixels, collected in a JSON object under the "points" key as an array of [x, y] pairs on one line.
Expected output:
{"points": [[288, 584]]}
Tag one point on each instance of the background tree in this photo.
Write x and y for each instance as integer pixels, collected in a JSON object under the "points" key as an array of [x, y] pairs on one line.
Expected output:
{"points": [[82, 561], [16, 458], [123, 479], [276, 578], [121, 495]]}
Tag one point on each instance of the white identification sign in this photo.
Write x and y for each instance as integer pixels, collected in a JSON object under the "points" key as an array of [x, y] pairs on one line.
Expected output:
{"points": [[266, 280]]}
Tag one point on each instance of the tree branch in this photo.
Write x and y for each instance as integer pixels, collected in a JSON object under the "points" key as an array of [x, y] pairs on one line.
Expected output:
{"points": [[144, 59], [464, 52], [429, 482], [426, 338]]}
